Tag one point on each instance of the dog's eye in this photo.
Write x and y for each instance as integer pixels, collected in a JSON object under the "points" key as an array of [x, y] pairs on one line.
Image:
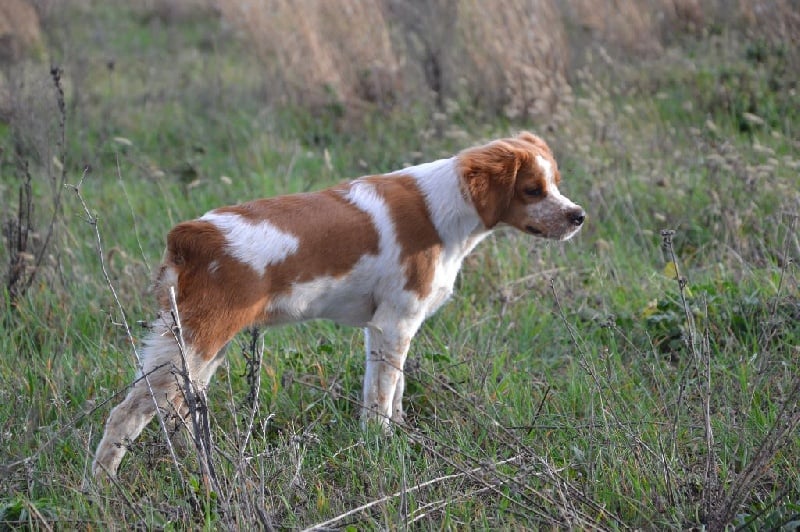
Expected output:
{"points": [[533, 192]]}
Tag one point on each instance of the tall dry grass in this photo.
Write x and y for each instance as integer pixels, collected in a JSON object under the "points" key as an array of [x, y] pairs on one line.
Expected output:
{"points": [[513, 57], [510, 57], [316, 53], [516, 56], [775, 20]]}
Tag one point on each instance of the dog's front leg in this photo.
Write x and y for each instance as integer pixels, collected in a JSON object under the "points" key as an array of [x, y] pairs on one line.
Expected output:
{"points": [[397, 401], [387, 344]]}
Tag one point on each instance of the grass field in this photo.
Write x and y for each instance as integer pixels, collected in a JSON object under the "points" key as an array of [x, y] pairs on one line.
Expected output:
{"points": [[645, 374]]}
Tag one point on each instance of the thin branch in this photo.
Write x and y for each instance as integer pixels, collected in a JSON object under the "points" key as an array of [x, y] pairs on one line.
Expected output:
{"points": [[406, 491], [195, 400], [701, 355], [58, 182], [93, 221]]}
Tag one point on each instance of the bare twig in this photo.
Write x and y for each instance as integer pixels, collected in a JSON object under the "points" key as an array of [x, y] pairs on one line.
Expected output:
{"points": [[711, 480], [58, 182], [253, 361], [40, 519], [16, 233], [768, 332], [426, 509], [195, 401], [406, 491], [666, 238], [701, 355], [23, 264], [93, 221]]}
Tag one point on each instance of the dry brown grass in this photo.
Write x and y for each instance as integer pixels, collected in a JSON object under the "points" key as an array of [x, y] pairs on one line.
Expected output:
{"points": [[177, 10], [775, 20], [19, 30], [511, 57], [310, 51], [624, 24], [644, 27], [516, 55]]}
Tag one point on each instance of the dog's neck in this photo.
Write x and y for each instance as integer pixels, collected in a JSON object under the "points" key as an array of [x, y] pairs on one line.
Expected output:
{"points": [[452, 212]]}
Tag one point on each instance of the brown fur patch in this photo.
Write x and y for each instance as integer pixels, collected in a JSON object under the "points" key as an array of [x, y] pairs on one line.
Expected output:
{"points": [[489, 173], [213, 306], [525, 140], [498, 176], [530, 138], [420, 242], [216, 304], [528, 178], [334, 234]]}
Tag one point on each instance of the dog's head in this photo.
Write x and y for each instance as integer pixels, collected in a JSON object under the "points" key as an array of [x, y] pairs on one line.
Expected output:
{"points": [[515, 181]]}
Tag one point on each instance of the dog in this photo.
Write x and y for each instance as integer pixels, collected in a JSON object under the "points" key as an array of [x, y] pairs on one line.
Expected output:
{"points": [[380, 252]]}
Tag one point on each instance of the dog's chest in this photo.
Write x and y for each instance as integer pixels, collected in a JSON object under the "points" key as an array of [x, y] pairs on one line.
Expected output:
{"points": [[443, 281]]}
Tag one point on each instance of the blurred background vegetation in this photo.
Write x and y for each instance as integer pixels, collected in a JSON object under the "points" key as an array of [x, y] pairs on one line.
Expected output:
{"points": [[643, 375]]}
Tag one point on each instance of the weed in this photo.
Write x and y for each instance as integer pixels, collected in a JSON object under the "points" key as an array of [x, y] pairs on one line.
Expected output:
{"points": [[613, 382], [25, 261]]}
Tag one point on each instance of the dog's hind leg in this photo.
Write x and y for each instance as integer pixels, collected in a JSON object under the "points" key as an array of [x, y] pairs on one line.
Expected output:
{"points": [[163, 366]]}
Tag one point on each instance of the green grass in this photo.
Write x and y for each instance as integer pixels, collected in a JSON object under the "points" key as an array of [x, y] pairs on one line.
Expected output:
{"points": [[557, 388]]}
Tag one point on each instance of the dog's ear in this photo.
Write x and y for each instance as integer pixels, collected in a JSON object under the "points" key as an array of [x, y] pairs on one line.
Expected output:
{"points": [[490, 173], [530, 138]]}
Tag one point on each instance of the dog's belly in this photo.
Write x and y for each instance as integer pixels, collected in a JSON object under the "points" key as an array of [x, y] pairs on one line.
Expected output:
{"points": [[352, 299], [347, 301], [347, 307]]}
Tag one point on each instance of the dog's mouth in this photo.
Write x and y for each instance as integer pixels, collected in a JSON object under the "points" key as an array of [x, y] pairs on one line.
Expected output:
{"points": [[534, 231], [531, 230]]}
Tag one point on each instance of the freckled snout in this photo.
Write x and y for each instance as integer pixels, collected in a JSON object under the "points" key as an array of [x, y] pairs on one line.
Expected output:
{"points": [[577, 216], [572, 222]]}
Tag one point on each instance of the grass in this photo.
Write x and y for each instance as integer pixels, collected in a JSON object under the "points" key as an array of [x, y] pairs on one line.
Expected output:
{"points": [[565, 385]]}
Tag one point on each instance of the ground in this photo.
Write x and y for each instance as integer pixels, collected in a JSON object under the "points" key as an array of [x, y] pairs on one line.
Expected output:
{"points": [[642, 375]]}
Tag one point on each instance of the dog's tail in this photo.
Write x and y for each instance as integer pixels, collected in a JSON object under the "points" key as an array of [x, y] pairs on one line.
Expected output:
{"points": [[193, 244]]}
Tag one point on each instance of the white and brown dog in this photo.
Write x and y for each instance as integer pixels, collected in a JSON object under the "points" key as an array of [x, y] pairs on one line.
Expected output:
{"points": [[380, 252]]}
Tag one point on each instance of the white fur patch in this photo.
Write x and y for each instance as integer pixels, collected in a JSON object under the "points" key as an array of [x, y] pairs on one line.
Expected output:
{"points": [[547, 168], [452, 214], [553, 194], [169, 277], [257, 245], [364, 196]]}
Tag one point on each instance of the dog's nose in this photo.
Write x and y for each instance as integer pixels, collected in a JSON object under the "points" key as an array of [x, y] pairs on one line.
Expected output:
{"points": [[577, 216]]}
